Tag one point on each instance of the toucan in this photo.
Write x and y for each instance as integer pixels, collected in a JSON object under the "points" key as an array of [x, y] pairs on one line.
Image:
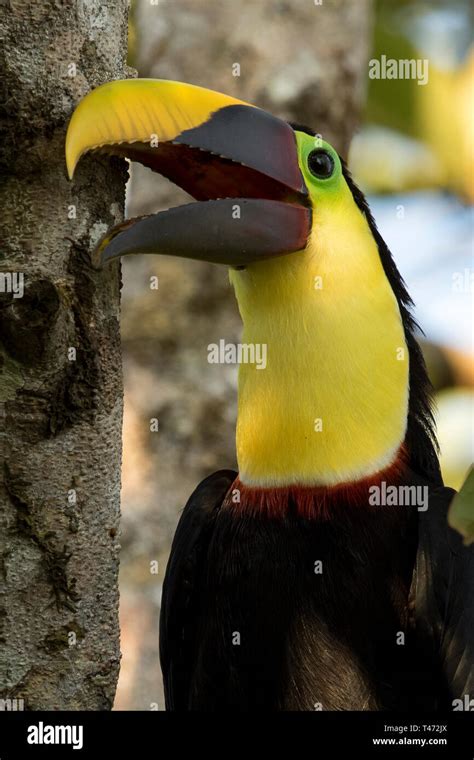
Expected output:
{"points": [[323, 574]]}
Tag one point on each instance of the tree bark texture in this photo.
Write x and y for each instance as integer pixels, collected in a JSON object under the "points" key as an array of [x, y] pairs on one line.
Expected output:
{"points": [[304, 60], [60, 362]]}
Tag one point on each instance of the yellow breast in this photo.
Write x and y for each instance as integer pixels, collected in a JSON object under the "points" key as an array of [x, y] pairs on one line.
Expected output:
{"points": [[331, 404]]}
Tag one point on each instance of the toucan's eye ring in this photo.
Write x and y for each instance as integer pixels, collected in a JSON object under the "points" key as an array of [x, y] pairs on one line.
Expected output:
{"points": [[321, 163]]}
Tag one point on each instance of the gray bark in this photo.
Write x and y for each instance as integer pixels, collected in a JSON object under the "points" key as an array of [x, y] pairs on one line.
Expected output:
{"points": [[60, 415], [300, 60]]}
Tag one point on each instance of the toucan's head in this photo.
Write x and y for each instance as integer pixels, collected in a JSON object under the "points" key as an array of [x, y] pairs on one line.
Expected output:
{"points": [[255, 177], [313, 278]]}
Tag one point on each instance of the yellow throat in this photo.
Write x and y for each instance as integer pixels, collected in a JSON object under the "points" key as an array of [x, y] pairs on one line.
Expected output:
{"points": [[331, 404]]}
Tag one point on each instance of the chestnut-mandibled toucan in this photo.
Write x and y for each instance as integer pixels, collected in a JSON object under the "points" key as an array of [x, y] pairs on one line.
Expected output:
{"points": [[322, 575]]}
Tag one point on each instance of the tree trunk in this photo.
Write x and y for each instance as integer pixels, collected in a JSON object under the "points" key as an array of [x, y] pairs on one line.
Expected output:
{"points": [[60, 363]]}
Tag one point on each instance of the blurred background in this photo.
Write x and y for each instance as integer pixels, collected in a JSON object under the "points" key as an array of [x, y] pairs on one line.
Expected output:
{"points": [[410, 147]]}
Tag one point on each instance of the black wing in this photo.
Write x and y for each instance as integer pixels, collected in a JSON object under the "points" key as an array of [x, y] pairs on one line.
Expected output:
{"points": [[444, 598], [185, 565]]}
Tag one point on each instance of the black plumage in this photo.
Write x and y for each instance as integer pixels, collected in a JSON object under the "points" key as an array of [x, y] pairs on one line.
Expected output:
{"points": [[310, 641]]}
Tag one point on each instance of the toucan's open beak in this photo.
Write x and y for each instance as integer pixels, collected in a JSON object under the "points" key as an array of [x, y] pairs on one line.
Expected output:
{"points": [[238, 161]]}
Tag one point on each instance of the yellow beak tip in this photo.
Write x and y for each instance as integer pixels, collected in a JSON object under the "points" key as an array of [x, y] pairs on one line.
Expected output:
{"points": [[71, 159], [131, 110]]}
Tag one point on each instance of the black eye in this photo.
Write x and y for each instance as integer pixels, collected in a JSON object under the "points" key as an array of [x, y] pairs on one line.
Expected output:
{"points": [[320, 163]]}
